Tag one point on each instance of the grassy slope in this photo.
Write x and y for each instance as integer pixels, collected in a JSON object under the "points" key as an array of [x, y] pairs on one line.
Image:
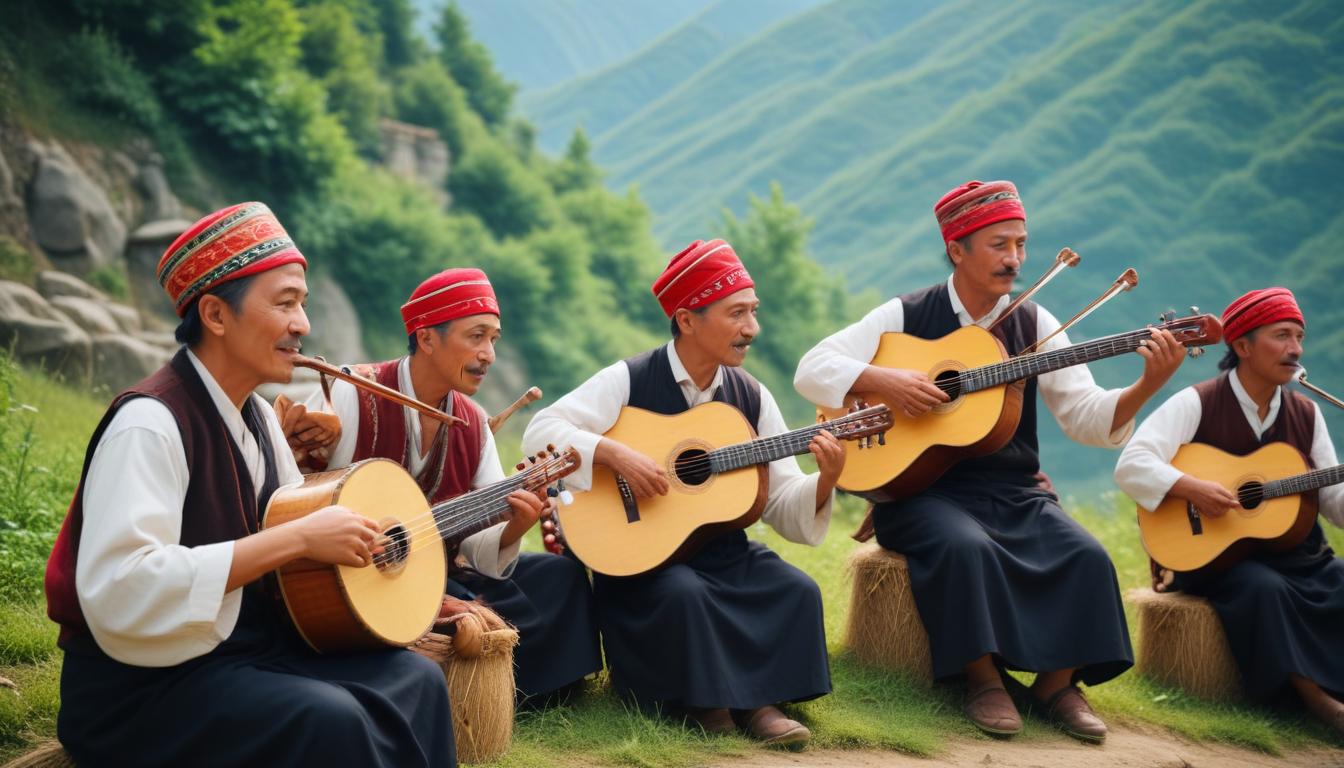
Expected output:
{"points": [[869, 708]]}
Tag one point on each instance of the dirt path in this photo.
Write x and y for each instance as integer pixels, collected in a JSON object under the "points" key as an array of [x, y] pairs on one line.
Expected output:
{"points": [[1125, 748]]}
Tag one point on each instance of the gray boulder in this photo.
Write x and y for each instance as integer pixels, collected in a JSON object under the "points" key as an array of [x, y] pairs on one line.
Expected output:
{"points": [[41, 335], [143, 251], [164, 341], [90, 315], [51, 283], [160, 202], [335, 323], [127, 319], [120, 361], [70, 216]]}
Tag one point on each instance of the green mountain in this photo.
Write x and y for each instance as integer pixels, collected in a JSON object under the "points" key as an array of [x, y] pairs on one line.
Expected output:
{"points": [[601, 100], [538, 43], [1201, 143]]}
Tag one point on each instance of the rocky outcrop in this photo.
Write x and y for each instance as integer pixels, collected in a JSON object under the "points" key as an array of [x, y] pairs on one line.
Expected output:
{"points": [[41, 335], [143, 251], [70, 217], [334, 320], [417, 153]]}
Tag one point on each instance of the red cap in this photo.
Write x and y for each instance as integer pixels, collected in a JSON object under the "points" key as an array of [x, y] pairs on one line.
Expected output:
{"points": [[975, 205], [451, 294], [1258, 308], [700, 275]]}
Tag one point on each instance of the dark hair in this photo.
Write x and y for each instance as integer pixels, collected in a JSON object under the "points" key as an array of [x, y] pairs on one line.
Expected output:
{"points": [[232, 293], [676, 329], [412, 344], [1230, 358], [963, 242]]}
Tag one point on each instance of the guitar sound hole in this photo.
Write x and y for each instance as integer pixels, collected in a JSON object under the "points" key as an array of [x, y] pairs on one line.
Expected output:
{"points": [[396, 549], [1251, 494], [692, 467], [949, 382]]}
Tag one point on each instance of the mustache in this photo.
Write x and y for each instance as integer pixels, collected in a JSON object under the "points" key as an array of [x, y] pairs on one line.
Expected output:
{"points": [[477, 370], [1007, 273], [1291, 360], [742, 342], [292, 343]]}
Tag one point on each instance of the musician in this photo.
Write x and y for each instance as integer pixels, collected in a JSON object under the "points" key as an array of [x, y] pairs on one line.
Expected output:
{"points": [[726, 635], [452, 326], [1284, 613], [1002, 577], [175, 654]]}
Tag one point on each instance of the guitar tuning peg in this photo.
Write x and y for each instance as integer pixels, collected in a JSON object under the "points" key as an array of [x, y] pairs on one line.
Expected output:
{"points": [[1194, 310], [550, 447], [552, 492], [531, 459], [1195, 351], [881, 438], [1167, 317], [566, 498], [520, 466]]}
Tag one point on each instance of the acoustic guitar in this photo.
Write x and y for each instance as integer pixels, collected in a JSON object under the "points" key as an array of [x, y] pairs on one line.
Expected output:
{"points": [[394, 601], [1277, 507], [716, 470], [985, 388]]}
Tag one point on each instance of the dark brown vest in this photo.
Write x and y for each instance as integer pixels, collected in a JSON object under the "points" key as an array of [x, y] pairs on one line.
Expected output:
{"points": [[653, 388], [220, 505], [453, 457]]}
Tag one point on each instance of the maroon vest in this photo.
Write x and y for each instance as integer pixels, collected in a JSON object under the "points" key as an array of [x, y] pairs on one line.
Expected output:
{"points": [[455, 454], [221, 504]]}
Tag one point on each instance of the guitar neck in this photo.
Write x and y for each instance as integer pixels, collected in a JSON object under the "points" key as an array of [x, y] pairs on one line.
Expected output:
{"points": [[764, 450], [1305, 482], [1026, 366], [474, 511]]}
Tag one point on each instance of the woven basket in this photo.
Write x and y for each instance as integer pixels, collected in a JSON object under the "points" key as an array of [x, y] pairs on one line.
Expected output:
{"points": [[480, 690], [48, 755], [883, 628], [1182, 644]]}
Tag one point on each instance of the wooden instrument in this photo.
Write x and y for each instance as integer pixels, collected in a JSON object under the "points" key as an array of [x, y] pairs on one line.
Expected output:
{"points": [[532, 395], [396, 599], [326, 369], [718, 482], [985, 387], [1301, 379], [1277, 509]]}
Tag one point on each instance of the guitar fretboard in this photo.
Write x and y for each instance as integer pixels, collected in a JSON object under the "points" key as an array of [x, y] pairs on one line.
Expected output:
{"points": [[1305, 482], [1035, 364], [764, 450], [474, 511]]}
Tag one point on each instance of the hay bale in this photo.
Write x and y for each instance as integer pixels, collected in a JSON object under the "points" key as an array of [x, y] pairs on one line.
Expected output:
{"points": [[883, 627], [48, 755], [480, 690], [1182, 644]]}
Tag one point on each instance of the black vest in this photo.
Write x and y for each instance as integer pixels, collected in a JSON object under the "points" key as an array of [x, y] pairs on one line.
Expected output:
{"points": [[653, 388], [929, 315]]}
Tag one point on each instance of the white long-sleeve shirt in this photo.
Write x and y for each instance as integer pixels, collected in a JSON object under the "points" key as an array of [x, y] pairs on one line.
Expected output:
{"points": [[1145, 472], [482, 549], [579, 418], [1084, 410], [148, 600]]}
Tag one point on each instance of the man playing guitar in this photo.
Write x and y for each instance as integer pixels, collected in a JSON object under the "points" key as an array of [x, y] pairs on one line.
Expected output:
{"points": [[1001, 575], [732, 631], [1283, 613]]}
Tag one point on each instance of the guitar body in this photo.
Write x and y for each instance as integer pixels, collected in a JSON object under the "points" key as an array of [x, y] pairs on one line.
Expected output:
{"points": [[1181, 543], [340, 608], [918, 451], [617, 538]]}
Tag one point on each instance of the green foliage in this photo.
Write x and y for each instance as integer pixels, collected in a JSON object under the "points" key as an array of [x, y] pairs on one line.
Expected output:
{"points": [[16, 262], [110, 279], [345, 61], [469, 63], [396, 19], [575, 169], [100, 75], [492, 183], [427, 95]]}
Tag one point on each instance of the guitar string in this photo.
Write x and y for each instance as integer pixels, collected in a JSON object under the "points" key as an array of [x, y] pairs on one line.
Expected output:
{"points": [[767, 445]]}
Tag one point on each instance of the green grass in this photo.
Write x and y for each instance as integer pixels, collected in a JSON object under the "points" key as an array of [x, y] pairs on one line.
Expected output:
{"points": [[869, 708]]}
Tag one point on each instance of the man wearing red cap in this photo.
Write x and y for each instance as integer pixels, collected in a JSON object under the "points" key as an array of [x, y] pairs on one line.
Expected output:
{"points": [[1283, 613], [1002, 577], [174, 652], [452, 326], [729, 633]]}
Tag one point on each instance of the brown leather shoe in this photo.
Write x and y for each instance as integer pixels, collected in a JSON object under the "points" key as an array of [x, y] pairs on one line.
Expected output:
{"points": [[771, 726], [716, 721], [992, 711], [1069, 710]]}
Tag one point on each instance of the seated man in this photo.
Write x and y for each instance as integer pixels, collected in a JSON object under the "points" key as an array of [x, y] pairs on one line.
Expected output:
{"points": [[1002, 577], [452, 326], [1283, 613], [175, 653], [734, 627]]}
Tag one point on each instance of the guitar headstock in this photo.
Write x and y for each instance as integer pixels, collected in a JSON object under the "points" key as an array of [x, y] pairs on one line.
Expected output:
{"points": [[1194, 330], [545, 477], [861, 423]]}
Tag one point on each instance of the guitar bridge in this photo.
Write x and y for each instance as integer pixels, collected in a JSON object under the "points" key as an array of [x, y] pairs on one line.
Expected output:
{"points": [[1196, 524], [628, 500]]}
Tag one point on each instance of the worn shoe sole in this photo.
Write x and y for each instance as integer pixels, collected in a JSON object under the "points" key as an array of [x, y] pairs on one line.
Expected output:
{"points": [[795, 738]]}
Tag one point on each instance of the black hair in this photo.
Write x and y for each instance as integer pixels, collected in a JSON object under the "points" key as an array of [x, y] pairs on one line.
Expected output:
{"points": [[232, 293], [676, 329], [1230, 358], [412, 344]]}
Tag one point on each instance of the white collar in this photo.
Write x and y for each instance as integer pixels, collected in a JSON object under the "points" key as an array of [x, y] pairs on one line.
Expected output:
{"points": [[233, 417], [1251, 409], [965, 317], [681, 376]]}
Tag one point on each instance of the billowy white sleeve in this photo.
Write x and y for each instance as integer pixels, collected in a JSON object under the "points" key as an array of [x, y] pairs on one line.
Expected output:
{"points": [[791, 506], [1331, 497], [148, 600], [579, 418], [828, 371], [345, 404], [1144, 471], [1083, 409], [482, 549]]}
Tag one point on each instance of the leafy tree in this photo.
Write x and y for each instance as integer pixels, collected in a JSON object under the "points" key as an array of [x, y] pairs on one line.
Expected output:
{"points": [[492, 183], [469, 63], [345, 61], [575, 170], [427, 95]]}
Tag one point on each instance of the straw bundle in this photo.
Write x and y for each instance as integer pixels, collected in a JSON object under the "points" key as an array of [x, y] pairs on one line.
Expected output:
{"points": [[48, 755], [480, 690], [883, 627], [1182, 644]]}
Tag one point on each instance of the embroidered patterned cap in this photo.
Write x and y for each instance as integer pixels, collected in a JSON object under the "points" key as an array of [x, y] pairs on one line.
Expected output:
{"points": [[235, 242], [700, 275], [1257, 308], [451, 294], [975, 205]]}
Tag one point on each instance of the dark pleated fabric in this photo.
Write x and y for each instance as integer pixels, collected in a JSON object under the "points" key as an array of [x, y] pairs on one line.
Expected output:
{"points": [[999, 568], [735, 626], [260, 698], [1283, 616], [548, 599]]}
